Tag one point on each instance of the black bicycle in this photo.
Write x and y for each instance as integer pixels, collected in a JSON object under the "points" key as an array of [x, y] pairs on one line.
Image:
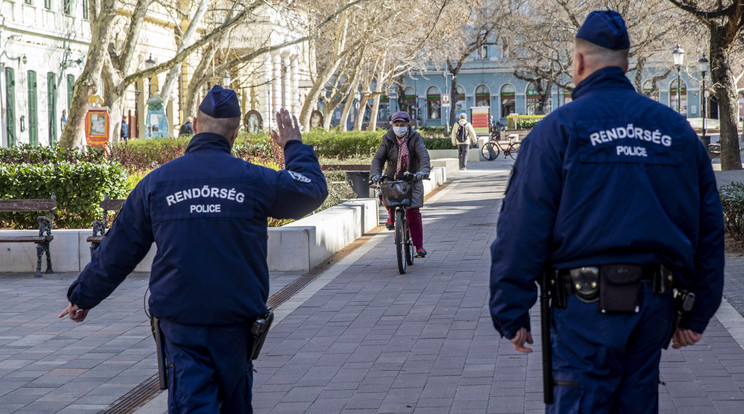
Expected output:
{"points": [[397, 194]]}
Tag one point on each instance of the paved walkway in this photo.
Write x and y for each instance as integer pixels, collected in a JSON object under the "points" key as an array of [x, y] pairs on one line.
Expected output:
{"points": [[359, 339]]}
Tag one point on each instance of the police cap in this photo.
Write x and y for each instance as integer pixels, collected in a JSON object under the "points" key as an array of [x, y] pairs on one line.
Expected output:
{"points": [[220, 103], [605, 28]]}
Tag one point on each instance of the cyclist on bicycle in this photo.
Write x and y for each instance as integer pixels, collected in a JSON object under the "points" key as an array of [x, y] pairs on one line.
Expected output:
{"points": [[403, 150]]}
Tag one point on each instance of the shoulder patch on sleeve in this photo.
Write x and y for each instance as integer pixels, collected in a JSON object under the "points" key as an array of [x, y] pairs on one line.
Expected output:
{"points": [[299, 177]]}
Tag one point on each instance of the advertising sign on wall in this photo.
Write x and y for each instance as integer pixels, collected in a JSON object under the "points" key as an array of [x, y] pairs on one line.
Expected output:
{"points": [[479, 116]]}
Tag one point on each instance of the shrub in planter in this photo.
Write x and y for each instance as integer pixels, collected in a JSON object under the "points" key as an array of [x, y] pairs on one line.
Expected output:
{"points": [[438, 143], [732, 201], [26, 154], [79, 188], [522, 121]]}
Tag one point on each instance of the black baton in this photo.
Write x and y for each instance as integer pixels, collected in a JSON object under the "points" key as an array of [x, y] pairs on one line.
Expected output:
{"points": [[545, 339]]}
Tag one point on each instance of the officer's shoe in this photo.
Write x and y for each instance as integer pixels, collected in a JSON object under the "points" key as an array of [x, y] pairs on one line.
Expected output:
{"points": [[390, 225], [420, 252]]}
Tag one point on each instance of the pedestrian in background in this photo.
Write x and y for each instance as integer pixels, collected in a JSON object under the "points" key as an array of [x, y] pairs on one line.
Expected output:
{"points": [[187, 128], [63, 119], [463, 135], [613, 196], [403, 150], [124, 133], [206, 211]]}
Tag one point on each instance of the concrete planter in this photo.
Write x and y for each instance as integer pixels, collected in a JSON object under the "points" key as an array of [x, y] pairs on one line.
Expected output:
{"points": [[296, 247]]}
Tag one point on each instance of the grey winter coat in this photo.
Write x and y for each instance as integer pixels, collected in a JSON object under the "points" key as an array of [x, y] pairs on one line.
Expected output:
{"points": [[388, 152]]}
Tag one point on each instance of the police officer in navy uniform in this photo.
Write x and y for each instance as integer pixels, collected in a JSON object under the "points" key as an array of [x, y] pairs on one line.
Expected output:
{"points": [[614, 197], [206, 212]]}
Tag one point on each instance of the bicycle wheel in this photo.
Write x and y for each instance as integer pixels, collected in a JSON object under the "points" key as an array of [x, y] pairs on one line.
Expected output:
{"points": [[512, 150], [409, 245], [400, 240], [489, 151]]}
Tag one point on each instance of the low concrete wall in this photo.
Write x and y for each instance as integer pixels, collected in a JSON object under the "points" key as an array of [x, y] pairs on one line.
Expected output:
{"points": [[473, 154], [450, 165], [296, 247]]}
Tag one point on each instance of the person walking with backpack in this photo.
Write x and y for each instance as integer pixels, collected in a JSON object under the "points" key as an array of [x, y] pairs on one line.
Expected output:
{"points": [[463, 135]]}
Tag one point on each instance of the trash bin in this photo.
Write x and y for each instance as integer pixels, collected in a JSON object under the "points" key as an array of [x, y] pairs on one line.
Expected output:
{"points": [[359, 183]]}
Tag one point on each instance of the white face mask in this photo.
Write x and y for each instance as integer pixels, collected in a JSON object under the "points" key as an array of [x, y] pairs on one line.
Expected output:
{"points": [[463, 122], [400, 131]]}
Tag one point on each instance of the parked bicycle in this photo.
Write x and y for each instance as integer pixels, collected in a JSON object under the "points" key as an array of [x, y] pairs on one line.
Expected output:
{"points": [[491, 149], [397, 194]]}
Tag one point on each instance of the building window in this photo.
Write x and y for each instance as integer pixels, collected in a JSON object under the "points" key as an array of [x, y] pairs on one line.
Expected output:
{"points": [[508, 100], [673, 96], [483, 52], [434, 101], [67, 7], [383, 111], [85, 9], [409, 102], [567, 97], [460, 99], [29, 2], [48, 4], [533, 99], [482, 96]]}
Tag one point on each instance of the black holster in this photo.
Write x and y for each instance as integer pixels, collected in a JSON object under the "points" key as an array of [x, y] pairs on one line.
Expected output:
{"points": [[259, 330]]}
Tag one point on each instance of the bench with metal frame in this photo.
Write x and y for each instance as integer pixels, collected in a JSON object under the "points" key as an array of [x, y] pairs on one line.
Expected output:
{"points": [[45, 226], [101, 226]]}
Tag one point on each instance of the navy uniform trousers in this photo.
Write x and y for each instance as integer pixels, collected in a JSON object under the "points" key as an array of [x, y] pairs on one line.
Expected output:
{"points": [[209, 368], [609, 362]]}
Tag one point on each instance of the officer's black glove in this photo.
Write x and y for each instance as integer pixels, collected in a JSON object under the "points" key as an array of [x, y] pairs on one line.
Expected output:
{"points": [[375, 179], [420, 176]]}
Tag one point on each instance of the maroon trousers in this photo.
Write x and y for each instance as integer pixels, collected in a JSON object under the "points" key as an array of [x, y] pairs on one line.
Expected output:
{"points": [[415, 224]]}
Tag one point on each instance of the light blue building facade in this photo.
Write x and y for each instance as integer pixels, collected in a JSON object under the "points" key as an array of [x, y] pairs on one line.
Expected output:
{"points": [[487, 79]]}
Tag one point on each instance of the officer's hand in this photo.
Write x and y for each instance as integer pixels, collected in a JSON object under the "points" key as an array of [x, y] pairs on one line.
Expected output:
{"points": [[375, 179], [522, 336], [420, 176], [685, 337], [289, 129], [76, 314]]}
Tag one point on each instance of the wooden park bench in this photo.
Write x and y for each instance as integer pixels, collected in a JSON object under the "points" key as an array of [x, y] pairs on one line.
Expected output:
{"points": [[100, 226], [45, 226]]}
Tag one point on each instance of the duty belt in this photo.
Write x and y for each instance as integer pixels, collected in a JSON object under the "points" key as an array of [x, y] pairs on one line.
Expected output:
{"points": [[587, 281]]}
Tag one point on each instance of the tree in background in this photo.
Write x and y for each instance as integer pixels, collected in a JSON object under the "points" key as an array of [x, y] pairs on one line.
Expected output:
{"points": [[724, 20]]}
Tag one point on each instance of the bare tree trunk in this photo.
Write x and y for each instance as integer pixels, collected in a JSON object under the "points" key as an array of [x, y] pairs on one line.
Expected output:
{"points": [[347, 107], [723, 83], [361, 112], [187, 40], [373, 114], [113, 100], [101, 27], [453, 100]]}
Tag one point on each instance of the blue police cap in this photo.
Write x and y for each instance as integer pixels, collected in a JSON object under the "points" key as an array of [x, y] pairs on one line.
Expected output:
{"points": [[605, 28], [400, 116], [220, 103]]}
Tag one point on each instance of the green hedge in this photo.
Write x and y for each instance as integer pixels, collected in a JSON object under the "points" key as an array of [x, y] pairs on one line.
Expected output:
{"points": [[26, 154], [732, 201], [79, 188], [522, 121]]}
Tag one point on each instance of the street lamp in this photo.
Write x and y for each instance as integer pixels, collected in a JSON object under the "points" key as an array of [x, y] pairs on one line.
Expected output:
{"points": [[679, 57], [704, 66], [149, 64], [226, 80]]}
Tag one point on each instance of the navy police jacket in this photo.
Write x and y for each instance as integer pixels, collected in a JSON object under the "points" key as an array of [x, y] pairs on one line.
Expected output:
{"points": [[612, 177], [206, 211]]}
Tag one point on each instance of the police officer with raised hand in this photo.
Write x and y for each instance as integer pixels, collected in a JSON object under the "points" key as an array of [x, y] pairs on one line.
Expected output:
{"points": [[614, 200], [206, 212]]}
